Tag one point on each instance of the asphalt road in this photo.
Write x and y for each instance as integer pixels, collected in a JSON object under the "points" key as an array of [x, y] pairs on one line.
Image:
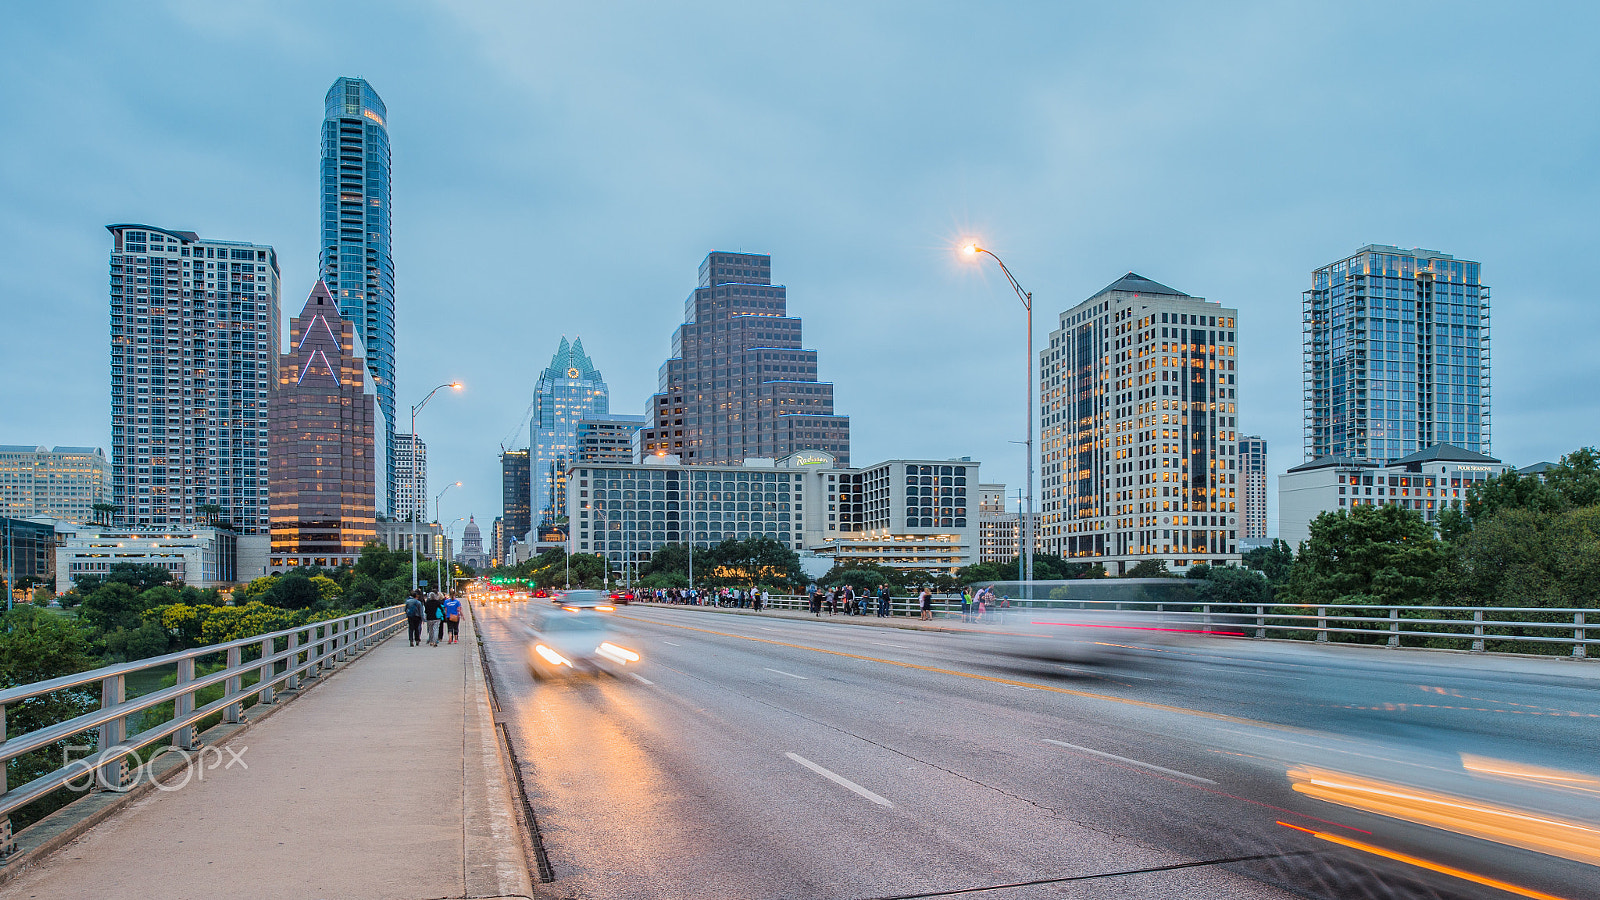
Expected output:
{"points": [[766, 757]]}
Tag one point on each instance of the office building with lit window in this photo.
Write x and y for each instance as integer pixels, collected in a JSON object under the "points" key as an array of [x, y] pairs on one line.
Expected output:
{"points": [[516, 497], [58, 482], [356, 261], [194, 353], [1138, 411], [902, 513], [324, 420], [740, 384], [610, 438], [569, 391], [1396, 355], [1253, 481], [410, 478]]}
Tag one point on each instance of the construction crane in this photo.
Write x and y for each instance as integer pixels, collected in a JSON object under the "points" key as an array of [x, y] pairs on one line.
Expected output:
{"points": [[520, 429]]}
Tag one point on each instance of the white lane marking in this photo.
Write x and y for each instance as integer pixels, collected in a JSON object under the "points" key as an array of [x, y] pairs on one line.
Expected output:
{"points": [[887, 644], [840, 780], [671, 644], [765, 628], [1131, 762], [790, 674], [641, 678]]}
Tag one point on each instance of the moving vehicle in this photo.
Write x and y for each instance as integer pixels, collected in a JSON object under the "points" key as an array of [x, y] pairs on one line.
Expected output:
{"points": [[575, 636]]}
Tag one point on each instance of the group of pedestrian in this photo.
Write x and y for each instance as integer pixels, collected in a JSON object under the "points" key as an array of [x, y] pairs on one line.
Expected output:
{"points": [[442, 613], [738, 598], [977, 604]]}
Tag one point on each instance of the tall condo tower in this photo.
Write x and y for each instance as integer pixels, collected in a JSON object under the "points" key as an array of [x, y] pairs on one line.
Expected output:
{"points": [[1396, 355], [194, 352], [1253, 476], [570, 390], [324, 418], [739, 383], [356, 262], [516, 518], [1138, 411]]}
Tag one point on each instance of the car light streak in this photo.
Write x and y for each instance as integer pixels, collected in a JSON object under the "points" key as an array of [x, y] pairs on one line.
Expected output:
{"points": [[1428, 864], [1138, 628], [553, 657], [1491, 822], [618, 655], [1483, 765]]}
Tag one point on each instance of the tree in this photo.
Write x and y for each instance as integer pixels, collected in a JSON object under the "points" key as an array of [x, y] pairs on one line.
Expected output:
{"points": [[1272, 561], [1233, 584], [363, 593], [379, 563], [112, 606], [294, 590], [37, 645], [1519, 557], [669, 558], [1368, 555], [1149, 568], [103, 513], [328, 591], [758, 560]]}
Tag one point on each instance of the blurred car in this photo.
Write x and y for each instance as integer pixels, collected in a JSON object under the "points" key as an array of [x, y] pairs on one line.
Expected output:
{"points": [[541, 593], [622, 596], [575, 637]]}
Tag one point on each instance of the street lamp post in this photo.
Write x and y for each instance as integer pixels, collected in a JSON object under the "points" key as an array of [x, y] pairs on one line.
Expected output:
{"points": [[1027, 304], [439, 567], [436, 499], [414, 511]]}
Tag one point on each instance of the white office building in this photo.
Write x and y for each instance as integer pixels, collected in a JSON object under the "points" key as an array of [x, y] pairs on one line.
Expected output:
{"points": [[410, 478], [1428, 481], [200, 557], [57, 482], [1138, 411]]}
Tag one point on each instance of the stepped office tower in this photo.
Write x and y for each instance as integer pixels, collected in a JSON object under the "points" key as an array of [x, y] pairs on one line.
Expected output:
{"points": [[1396, 355], [325, 419], [356, 262], [739, 383], [194, 352], [570, 390], [1138, 411]]}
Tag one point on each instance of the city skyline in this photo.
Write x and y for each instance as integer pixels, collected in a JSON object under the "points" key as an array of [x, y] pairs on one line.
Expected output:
{"points": [[918, 345]]}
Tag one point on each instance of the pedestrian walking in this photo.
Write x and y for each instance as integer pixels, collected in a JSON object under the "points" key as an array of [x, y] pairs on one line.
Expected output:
{"points": [[966, 604], [431, 610], [452, 618], [883, 601], [925, 601], [414, 614], [816, 600]]}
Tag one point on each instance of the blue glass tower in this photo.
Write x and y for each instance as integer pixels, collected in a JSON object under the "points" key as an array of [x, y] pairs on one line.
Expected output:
{"points": [[1396, 355], [569, 390], [356, 262]]}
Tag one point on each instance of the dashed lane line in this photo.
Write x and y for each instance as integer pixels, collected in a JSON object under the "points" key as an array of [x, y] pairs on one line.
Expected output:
{"points": [[838, 779], [1132, 762]]}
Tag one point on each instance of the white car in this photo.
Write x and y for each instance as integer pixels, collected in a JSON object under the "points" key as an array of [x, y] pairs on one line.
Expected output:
{"points": [[574, 637]]}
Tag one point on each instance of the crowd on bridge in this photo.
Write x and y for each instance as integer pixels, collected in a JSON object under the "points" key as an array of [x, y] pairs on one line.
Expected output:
{"points": [[977, 604], [441, 613], [736, 598]]}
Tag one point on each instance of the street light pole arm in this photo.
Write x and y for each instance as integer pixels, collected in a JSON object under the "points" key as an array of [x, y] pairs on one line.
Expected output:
{"points": [[1024, 296]]}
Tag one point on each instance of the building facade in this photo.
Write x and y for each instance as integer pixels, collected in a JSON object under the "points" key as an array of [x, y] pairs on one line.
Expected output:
{"points": [[27, 553], [194, 352], [516, 518], [472, 546], [740, 384], [323, 452], [1253, 477], [1138, 411], [1396, 355], [355, 258], [607, 439], [570, 390], [909, 514], [60, 482], [201, 557], [1428, 481], [410, 478]]}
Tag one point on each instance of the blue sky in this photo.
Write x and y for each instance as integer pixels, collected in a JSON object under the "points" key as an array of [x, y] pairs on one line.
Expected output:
{"points": [[562, 169]]}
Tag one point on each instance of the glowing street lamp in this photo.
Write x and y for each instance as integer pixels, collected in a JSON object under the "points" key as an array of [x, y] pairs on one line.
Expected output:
{"points": [[972, 250]]}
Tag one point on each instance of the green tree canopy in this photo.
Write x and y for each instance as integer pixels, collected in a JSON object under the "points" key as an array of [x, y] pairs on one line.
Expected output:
{"points": [[1370, 555], [1273, 561]]}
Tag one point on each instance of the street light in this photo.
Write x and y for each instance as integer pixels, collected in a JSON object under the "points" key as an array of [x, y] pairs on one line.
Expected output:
{"points": [[416, 408], [437, 497], [972, 250], [439, 563]]}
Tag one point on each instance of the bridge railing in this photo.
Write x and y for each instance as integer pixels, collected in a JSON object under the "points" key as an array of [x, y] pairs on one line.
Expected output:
{"points": [[1472, 628], [254, 668]]}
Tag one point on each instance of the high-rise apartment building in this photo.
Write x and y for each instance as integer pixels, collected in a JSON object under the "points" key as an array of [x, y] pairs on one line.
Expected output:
{"points": [[570, 390], [739, 383], [194, 352], [1396, 355], [608, 439], [60, 482], [410, 478], [324, 416], [516, 519], [1253, 476], [1138, 408], [356, 262]]}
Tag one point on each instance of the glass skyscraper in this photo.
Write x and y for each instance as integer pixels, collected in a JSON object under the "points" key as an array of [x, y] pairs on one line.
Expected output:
{"points": [[356, 262], [569, 390], [1396, 355]]}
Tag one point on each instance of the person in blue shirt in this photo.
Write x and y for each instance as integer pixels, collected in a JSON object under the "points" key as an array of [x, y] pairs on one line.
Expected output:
{"points": [[451, 608]]}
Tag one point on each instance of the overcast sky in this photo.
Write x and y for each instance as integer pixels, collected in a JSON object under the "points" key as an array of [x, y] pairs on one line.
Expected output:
{"points": [[562, 168]]}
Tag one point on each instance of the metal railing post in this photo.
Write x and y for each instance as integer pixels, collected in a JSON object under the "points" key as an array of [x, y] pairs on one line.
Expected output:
{"points": [[1261, 623], [1394, 626], [292, 683], [113, 690], [1579, 635], [268, 669], [233, 713], [341, 640], [1322, 624], [8, 845], [185, 738], [1477, 631]]}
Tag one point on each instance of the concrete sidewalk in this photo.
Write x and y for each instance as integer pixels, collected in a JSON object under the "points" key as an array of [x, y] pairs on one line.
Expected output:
{"points": [[385, 782]]}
